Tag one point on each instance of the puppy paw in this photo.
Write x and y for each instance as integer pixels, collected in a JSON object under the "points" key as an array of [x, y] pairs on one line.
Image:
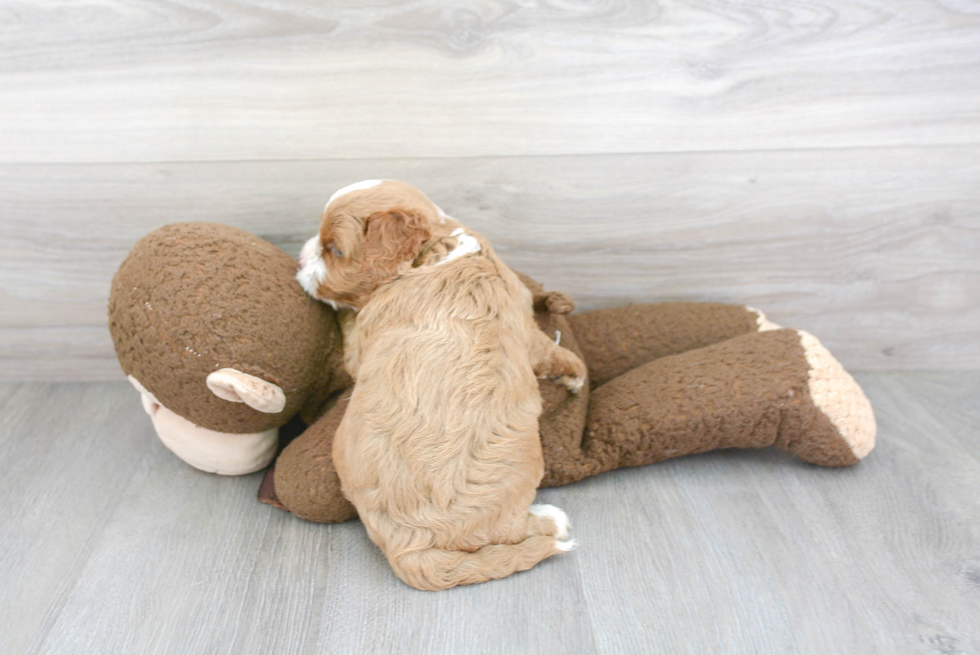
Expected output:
{"points": [[555, 302], [573, 384], [560, 303], [559, 364], [557, 516], [565, 546], [570, 371]]}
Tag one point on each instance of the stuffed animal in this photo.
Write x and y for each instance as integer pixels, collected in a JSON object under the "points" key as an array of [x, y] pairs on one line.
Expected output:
{"points": [[211, 327], [222, 343]]}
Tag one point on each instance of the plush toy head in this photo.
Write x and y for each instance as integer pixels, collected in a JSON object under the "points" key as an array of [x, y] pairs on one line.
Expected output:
{"points": [[222, 343]]}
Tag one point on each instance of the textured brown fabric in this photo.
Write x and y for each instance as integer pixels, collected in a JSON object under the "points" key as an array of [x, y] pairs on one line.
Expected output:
{"points": [[750, 391], [192, 298], [619, 339], [747, 392], [304, 479]]}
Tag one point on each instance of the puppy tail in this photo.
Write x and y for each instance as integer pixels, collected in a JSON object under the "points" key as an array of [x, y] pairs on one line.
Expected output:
{"points": [[433, 568]]}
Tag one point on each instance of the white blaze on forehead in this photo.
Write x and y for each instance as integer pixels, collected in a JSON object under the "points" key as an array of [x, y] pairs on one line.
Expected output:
{"points": [[466, 244], [357, 186], [314, 270]]}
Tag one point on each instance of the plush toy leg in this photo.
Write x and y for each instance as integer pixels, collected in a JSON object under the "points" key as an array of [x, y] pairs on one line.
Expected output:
{"points": [[304, 480], [619, 339], [778, 387]]}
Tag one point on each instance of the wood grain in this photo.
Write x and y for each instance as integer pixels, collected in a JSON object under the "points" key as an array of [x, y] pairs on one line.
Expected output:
{"points": [[67, 453], [780, 557], [132, 80], [873, 250], [110, 544]]}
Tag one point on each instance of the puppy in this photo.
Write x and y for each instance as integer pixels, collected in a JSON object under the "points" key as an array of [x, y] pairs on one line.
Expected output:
{"points": [[439, 448]]}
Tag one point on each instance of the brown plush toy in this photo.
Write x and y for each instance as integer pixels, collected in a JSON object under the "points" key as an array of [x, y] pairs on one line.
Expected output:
{"points": [[222, 343], [666, 379]]}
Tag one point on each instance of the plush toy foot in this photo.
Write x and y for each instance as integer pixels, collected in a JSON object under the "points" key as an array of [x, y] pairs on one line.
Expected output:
{"points": [[838, 397], [776, 387], [304, 480]]}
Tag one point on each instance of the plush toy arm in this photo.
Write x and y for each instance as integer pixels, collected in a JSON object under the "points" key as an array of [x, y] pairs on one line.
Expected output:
{"points": [[779, 388], [304, 480], [619, 339]]}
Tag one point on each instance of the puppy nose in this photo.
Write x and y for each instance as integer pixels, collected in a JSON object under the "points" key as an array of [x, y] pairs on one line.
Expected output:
{"points": [[302, 260]]}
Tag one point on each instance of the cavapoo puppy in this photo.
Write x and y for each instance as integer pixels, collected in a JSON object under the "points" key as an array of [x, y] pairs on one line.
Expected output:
{"points": [[438, 449]]}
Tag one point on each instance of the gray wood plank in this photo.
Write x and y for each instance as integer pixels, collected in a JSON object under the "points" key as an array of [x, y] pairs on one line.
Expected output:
{"points": [[112, 545], [873, 250], [125, 80], [749, 552], [67, 452], [192, 563]]}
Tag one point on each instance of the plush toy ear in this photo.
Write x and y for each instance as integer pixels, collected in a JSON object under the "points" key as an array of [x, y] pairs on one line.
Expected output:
{"points": [[150, 403], [392, 238], [237, 387]]}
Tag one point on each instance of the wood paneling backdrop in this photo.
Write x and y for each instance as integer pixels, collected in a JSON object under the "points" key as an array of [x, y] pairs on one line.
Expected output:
{"points": [[820, 159]]}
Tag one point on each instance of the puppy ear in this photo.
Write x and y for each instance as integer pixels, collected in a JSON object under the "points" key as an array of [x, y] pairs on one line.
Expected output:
{"points": [[392, 238]]}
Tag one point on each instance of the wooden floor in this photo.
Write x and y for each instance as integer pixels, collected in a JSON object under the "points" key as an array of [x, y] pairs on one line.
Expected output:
{"points": [[109, 544]]}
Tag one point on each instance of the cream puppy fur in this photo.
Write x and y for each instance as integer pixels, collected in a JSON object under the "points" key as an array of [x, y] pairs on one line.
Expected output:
{"points": [[438, 449]]}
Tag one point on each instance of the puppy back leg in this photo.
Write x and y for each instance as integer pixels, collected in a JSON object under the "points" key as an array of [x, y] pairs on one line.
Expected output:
{"points": [[433, 568], [549, 360]]}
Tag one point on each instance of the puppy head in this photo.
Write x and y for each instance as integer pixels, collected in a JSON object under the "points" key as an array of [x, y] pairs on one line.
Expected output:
{"points": [[370, 233]]}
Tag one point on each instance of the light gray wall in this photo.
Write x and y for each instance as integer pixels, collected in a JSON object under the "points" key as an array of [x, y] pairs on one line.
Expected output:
{"points": [[819, 160]]}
